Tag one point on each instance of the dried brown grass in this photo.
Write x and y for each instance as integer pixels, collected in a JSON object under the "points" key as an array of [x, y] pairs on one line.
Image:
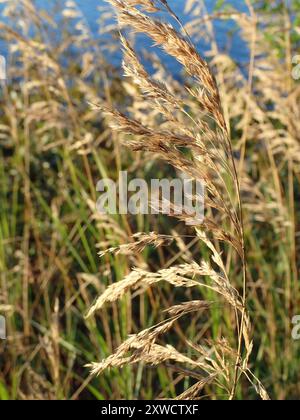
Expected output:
{"points": [[209, 141], [53, 148]]}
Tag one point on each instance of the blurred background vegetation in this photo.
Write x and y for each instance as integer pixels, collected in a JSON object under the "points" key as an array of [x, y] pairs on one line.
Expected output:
{"points": [[53, 150]]}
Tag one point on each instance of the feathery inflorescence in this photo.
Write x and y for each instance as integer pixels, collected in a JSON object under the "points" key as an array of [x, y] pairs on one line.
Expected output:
{"points": [[207, 137]]}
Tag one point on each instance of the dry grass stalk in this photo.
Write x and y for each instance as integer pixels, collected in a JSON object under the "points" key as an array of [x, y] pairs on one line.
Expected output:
{"points": [[212, 161], [142, 241]]}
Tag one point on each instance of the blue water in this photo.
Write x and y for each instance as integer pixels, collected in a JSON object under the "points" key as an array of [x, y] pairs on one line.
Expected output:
{"points": [[234, 44]]}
